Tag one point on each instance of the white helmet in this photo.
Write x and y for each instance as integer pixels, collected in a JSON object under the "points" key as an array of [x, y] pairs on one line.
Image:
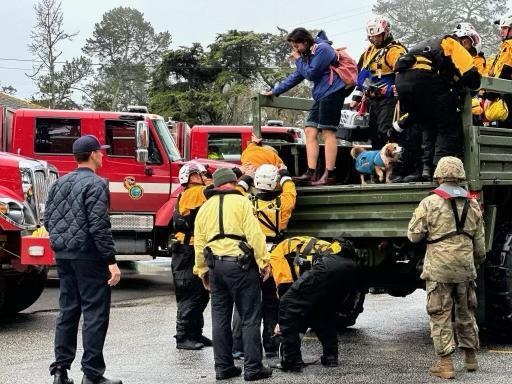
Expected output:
{"points": [[188, 169], [506, 21], [377, 25], [266, 177], [467, 30]]}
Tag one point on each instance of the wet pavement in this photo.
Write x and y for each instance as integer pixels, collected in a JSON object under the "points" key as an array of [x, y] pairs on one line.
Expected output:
{"points": [[389, 344]]}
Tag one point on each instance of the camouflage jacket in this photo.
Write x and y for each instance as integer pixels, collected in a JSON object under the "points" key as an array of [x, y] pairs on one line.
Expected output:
{"points": [[454, 259]]}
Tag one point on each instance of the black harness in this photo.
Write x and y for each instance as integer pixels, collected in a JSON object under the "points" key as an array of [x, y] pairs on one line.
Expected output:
{"points": [[184, 223], [299, 258], [222, 234], [459, 221], [266, 221]]}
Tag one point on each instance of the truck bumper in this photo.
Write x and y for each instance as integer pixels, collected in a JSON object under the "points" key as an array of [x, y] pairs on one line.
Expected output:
{"points": [[36, 251]]}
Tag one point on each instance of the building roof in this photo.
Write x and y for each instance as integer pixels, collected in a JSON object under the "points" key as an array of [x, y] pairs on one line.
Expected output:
{"points": [[15, 102]]}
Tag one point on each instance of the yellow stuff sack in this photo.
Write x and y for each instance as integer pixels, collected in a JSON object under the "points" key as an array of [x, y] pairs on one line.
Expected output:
{"points": [[497, 111], [476, 107]]}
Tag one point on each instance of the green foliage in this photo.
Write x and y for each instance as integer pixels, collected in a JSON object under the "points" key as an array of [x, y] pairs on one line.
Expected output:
{"points": [[413, 21], [129, 49], [216, 86]]}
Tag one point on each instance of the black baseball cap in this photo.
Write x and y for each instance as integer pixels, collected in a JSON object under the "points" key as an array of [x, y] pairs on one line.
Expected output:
{"points": [[87, 143]]}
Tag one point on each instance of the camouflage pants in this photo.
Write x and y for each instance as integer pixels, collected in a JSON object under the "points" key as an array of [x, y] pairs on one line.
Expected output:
{"points": [[442, 299]]}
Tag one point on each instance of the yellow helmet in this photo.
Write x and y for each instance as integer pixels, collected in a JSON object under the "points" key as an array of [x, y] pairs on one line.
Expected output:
{"points": [[450, 168]]}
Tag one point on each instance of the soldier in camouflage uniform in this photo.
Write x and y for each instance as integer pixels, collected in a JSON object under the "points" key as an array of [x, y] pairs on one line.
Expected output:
{"points": [[451, 222]]}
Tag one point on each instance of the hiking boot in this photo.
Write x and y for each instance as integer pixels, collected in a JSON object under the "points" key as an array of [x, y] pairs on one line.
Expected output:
{"points": [[189, 344], [205, 341], [426, 174], [101, 380], [412, 178], [470, 359], [264, 373], [329, 361], [61, 377], [228, 373], [443, 368]]}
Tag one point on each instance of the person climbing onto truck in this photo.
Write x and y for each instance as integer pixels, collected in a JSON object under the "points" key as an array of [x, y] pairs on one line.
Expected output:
{"points": [[425, 81], [314, 60], [452, 224], [376, 80], [309, 301], [257, 154]]}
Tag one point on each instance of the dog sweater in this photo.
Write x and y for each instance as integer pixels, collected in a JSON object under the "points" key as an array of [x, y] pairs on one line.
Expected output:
{"points": [[367, 161]]}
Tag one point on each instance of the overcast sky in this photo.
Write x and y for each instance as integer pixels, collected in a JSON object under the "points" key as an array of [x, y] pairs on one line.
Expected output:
{"points": [[188, 21]]}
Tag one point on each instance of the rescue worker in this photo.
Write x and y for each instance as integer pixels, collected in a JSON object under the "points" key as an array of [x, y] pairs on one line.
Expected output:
{"points": [[501, 67], [451, 222], [191, 297], [315, 59], [257, 154], [470, 39], [376, 79], [311, 301], [230, 254], [425, 83], [273, 201]]}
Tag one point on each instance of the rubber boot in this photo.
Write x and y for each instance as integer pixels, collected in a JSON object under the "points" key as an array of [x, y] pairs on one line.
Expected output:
{"points": [[470, 359], [443, 368]]}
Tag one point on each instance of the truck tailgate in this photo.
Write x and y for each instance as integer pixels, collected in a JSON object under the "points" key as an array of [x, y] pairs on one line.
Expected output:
{"points": [[374, 210]]}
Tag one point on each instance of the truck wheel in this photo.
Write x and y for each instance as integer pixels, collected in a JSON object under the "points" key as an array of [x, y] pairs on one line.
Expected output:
{"points": [[22, 290], [498, 286], [350, 309]]}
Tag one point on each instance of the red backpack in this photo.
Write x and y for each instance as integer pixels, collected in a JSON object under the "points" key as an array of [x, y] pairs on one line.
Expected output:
{"points": [[345, 67]]}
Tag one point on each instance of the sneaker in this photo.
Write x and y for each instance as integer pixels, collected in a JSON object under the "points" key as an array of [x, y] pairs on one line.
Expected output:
{"points": [[412, 178], [238, 355], [228, 373], [264, 373], [189, 344]]}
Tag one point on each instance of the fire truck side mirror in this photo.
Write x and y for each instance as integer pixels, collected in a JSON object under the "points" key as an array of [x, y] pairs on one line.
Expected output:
{"points": [[142, 142]]}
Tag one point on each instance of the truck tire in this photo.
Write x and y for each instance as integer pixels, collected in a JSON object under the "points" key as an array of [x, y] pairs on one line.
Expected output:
{"points": [[498, 286], [23, 289], [350, 309]]}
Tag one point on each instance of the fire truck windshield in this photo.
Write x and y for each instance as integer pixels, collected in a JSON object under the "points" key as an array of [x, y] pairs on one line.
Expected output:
{"points": [[166, 139]]}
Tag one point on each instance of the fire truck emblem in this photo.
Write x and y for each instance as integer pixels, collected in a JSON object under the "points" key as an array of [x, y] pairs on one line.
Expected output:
{"points": [[135, 191]]}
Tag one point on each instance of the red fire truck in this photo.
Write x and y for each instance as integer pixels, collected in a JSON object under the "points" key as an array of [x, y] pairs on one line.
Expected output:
{"points": [[24, 249]]}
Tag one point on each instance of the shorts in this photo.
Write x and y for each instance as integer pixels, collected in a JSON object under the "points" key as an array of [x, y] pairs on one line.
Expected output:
{"points": [[326, 113]]}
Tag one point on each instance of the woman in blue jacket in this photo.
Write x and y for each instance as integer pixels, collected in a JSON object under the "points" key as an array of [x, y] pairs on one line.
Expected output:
{"points": [[313, 60]]}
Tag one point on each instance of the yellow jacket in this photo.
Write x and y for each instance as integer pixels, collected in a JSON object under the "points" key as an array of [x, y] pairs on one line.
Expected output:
{"points": [[267, 210], [283, 254], [502, 64], [381, 61], [480, 64], [191, 199], [257, 155], [238, 219]]}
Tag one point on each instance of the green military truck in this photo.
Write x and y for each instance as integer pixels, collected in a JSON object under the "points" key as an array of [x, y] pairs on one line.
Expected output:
{"points": [[375, 216]]}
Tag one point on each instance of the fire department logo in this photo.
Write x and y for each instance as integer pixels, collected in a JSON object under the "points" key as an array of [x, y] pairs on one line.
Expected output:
{"points": [[135, 191]]}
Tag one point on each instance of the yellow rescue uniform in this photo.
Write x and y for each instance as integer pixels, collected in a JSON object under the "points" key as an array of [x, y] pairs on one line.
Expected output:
{"points": [[257, 155]]}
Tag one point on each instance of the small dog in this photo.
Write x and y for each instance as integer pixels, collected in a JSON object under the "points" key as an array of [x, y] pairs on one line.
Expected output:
{"points": [[378, 161]]}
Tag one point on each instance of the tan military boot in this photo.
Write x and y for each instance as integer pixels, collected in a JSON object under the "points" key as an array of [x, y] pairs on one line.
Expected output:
{"points": [[443, 368], [470, 359]]}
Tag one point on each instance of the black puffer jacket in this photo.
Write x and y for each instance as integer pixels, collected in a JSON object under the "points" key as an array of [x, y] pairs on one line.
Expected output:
{"points": [[76, 217]]}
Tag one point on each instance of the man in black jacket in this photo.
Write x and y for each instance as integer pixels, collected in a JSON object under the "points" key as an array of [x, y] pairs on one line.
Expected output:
{"points": [[77, 219]]}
